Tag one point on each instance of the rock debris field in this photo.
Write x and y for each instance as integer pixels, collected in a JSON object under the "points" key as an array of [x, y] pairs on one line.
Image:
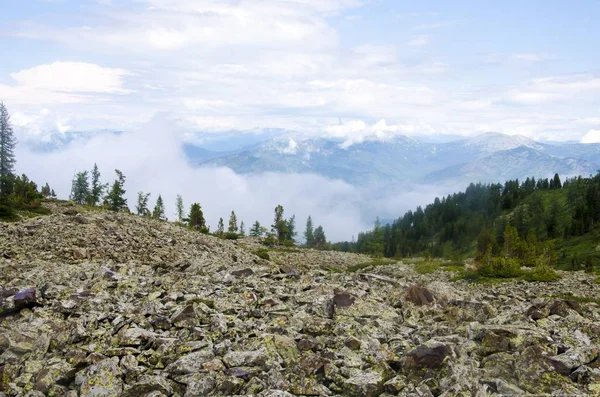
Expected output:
{"points": [[94, 303]]}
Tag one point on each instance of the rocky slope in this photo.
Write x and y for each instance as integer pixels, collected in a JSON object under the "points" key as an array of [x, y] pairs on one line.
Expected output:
{"points": [[103, 304]]}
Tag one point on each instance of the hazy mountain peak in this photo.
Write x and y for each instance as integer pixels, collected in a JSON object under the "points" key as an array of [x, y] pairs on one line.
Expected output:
{"points": [[491, 142]]}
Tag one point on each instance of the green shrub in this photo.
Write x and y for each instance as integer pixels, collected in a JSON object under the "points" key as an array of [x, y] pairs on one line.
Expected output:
{"points": [[262, 253], [231, 236], [7, 214], [501, 267], [542, 274], [426, 267], [374, 262]]}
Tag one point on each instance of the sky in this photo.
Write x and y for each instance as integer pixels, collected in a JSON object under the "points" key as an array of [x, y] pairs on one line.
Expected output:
{"points": [[430, 67], [171, 71]]}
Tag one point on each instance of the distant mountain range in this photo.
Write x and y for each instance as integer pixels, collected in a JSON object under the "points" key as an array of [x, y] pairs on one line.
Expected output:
{"points": [[490, 157]]}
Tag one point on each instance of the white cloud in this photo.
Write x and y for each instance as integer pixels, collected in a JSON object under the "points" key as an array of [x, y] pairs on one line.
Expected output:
{"points": [[592, 136], [72, 77], [549, 89], [63, 82], [357, 131], [530, 57], [161, 169], [420, 40]]}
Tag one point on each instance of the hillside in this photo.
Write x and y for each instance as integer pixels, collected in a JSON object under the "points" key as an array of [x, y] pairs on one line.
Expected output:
{"points": [[96, 303]]}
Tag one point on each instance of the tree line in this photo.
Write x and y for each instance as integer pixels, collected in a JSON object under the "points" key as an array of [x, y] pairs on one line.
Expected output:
{"points": [[87, 189], [537, 210]]}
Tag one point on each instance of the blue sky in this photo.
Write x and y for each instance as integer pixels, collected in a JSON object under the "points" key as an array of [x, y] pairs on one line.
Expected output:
{"points": [[328, 67]]}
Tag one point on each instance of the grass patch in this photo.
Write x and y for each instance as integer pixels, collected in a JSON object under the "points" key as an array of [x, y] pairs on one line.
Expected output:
{"points": [[286, 250], [426, 267], [262, 253], [580, 299], [541, 275], [373, 263], [333, 269]]}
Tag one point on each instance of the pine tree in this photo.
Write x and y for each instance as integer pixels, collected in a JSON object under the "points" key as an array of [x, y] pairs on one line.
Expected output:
{"points": [[233, 226], [255, 230], [179, 208], [52, 194], [242, 229], [141, 207], [7, 155], [196, 219], [159, 209], [115, 199], [320, 241], [46, 190], [220, 227], [557, 183], [279, 227], [96, 188], [309, 233], [80, 189], [291, 229]]}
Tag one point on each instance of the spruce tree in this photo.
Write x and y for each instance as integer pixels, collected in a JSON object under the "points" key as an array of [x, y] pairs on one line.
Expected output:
{"points": [[255, 230], [291, 229], [320, 241], [179, 208], [141, 208], [242, 229], [115, 199], [309, 233], [159, 209], [80, 189], [220, 227], [233, 226], [7, 155], [196, 219], [96, 188], [279, 227]]}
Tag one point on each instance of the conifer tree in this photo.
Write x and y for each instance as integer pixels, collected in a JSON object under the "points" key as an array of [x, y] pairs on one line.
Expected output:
{"points": [[320, 241], [141, 207], [179, 208], [96, 188], [159, 209], [291, 229], [80, 189], [7, 155], [279, 227], [233, 226], [115, 199], [46, 191], [220, 227], [242, 229], [309, 233], [255, 230], [196, 218]]}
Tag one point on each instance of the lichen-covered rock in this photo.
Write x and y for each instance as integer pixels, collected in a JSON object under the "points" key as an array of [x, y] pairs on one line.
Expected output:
{"points": [[150, 308], [102, 380], [366, 384]]}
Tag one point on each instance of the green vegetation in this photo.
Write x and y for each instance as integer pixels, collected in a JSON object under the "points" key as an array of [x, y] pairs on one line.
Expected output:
{"points": [[511, 225], [576, 298], [426, 267], [372, 263], [19, 196], [262, 253]]}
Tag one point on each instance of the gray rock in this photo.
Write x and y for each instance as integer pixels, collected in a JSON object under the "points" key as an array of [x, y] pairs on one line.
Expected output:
{"points": [[102, 380]]}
